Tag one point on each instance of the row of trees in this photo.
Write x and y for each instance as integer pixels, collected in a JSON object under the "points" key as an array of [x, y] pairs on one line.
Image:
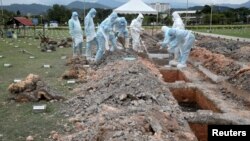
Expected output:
{"points": [[229, 16], [62, 15]]}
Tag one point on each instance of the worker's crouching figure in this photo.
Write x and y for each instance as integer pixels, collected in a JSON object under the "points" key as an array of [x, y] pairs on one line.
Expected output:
{"points": [[120, 33], [103, 33], [178, 38]]}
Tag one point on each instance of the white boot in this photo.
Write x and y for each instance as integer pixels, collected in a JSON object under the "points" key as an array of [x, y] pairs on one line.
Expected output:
{"points": [[173, 63], [181, 66]]}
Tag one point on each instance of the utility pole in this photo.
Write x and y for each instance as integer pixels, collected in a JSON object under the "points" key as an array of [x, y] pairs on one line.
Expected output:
{"points": [[2, 11], [186, 14], [211, 17], [84, 1]]}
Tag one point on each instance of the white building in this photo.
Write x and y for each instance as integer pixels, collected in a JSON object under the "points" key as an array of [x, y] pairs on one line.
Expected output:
{"points": [[161, 7], [189, 16]]}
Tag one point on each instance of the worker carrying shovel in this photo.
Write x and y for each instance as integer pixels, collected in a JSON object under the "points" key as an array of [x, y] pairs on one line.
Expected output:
{"points": [[120, 33]]}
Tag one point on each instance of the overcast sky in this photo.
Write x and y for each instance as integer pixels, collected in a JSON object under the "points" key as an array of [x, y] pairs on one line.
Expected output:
{"points": [[50, 2]]}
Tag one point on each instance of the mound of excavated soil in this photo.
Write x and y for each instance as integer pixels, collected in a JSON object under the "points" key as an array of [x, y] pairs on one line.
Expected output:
{"points": [[32, 88], [216, 63], [126, 100]]}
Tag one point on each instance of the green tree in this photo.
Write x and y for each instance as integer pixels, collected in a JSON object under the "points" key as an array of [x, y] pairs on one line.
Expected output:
{"points": [[59, 13], [18, 13], [206, 9], [6, 16]]}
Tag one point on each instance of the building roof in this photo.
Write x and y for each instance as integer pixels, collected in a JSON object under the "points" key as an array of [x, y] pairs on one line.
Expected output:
{"points": [[24, 21], [135, 7]]}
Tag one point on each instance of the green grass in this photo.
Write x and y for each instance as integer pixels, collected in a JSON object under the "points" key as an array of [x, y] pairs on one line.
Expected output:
{"points": [[229, 30], [243, 32], [17, 120]]}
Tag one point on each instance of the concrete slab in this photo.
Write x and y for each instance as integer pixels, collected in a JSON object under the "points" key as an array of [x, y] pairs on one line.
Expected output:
{"points": [[215, 78], [159, 56]]}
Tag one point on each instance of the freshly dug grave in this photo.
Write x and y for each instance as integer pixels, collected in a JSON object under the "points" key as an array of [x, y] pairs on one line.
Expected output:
{"points": [[76, 69], [229, 48], [126, 100], [242, 54], [32, 89], [241, 79], [151, 42], [216, 63], [220, 65]]}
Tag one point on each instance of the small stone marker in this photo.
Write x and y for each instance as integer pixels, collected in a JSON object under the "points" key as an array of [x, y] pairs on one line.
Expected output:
{"points": [[17, 80], [71, 81], [86, 66], [32, 57], [39, 108], [49, 50], [64, 57], [46, 66], [7, 65], [129, 58]]}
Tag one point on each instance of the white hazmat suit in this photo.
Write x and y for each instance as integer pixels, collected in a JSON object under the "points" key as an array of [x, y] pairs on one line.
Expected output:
{"points": [[76, 33], [90, 32], [135, 29], [178, 24], [103, 33]]}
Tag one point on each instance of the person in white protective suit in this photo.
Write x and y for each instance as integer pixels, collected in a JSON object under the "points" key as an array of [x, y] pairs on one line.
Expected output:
{"points": [[90, 32], [120, 32], [103, 33], [165, 42], [76, 33], [177, 23], [136, 29], [178, 38]]}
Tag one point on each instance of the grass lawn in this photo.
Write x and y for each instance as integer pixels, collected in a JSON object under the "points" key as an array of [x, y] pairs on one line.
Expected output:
{"points": [[244, 32], [17, 120]]}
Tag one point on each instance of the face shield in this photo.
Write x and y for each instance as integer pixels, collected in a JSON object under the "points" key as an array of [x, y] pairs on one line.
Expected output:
{"points": [[93, 12], [75, 15], [171, 32], [113, 17], [123, 21]]}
